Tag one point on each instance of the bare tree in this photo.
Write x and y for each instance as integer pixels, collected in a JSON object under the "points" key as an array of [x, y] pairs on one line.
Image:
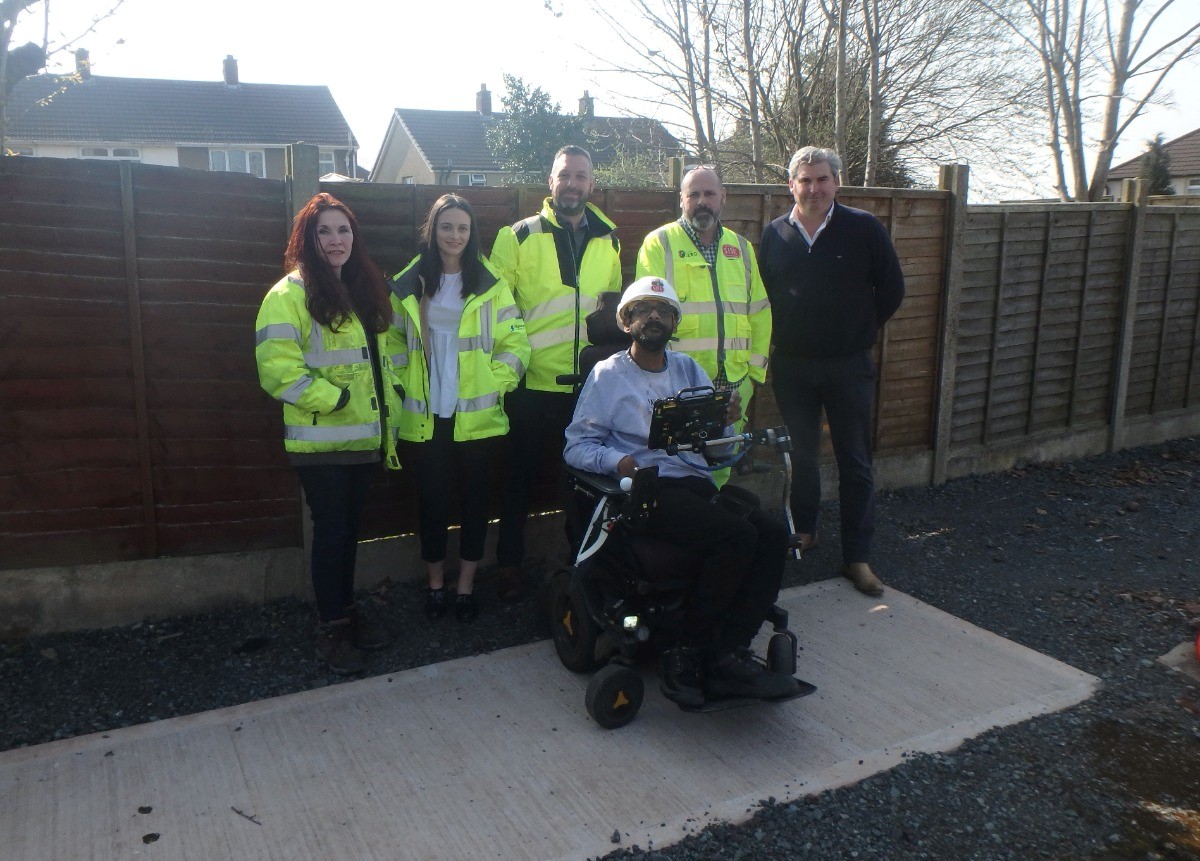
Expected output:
{"points": [[922, 80], [1115, 52]]}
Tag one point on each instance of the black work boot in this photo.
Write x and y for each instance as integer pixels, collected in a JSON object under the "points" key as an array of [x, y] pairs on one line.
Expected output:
{"points": [[737, 673], [679, 674]]}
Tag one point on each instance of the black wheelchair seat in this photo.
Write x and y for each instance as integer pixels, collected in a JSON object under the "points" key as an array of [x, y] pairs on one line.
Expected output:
{"points": [[627, 590]]}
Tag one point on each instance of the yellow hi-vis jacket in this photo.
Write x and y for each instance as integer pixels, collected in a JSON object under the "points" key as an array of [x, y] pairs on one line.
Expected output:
{"points": [[535, 257], [308, 366], [492, 352], [726, 320]]}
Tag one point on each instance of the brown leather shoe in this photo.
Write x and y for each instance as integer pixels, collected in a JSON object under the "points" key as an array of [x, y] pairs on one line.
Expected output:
{"points": [[863, 578], [509, 582], [804, 541]]}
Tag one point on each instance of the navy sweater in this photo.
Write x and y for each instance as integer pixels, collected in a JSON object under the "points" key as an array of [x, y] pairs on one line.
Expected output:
{"points": [[831, 298]]}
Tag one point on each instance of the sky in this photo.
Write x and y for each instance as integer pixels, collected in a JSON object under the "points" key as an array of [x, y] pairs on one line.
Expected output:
{"points": [[376, 55]]}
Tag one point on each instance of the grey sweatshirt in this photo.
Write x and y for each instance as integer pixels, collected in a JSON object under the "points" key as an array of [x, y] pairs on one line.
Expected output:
{"points": [[612, 415]]}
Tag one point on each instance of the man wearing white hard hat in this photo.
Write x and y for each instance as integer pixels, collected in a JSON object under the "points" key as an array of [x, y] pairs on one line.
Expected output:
{"points": [[743, 557]]}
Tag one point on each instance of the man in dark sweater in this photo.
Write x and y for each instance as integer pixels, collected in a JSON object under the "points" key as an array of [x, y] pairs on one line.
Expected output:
{"points": [[833, 279]]}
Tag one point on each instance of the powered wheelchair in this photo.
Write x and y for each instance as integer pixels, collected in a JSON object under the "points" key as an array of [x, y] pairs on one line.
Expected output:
{"points": [[624, 594]]}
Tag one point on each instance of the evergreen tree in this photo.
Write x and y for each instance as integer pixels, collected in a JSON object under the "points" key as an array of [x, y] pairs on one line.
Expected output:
{"points": [[532, 128], [1156, 168]]}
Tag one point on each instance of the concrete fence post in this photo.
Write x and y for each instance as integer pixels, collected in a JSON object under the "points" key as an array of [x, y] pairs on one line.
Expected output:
{"points": [[954, 178], [1133, 191], [302, 167]]}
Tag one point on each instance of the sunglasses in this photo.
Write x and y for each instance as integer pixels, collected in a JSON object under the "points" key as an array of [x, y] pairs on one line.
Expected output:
{"points": [[641, 310]]}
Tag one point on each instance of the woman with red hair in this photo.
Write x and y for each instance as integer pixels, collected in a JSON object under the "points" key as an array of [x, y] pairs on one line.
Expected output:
{"points": [[319, 346]]}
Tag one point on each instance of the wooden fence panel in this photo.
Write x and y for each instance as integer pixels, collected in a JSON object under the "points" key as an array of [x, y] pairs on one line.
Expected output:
{"points": [[1039, 320], [126, 344], [69, 466], [1164, 371], [200, 290]]}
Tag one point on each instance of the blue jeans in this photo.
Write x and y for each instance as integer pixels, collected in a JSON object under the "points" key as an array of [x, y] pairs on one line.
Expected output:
{"points": [[335, 494], [845, 387]]}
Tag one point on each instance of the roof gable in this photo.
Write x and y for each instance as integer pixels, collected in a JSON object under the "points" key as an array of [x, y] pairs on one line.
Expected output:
{"points": [[148, 110], [1183, 152], [458, 139]]}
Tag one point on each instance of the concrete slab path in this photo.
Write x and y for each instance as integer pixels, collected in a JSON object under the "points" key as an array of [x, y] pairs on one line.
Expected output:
{"points": [[495, 757]]}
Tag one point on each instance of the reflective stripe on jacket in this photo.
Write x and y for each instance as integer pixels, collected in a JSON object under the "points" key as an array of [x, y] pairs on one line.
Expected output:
{"points": [[492, 355], [307, 366], [726, 316], [535, 257]]}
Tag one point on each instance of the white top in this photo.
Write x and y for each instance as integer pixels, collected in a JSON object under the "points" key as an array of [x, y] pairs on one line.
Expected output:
{"points": [[811, 239], [444, 316]]}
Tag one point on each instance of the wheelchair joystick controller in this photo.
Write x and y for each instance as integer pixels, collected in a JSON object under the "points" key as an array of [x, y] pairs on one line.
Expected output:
{"points": [[626, 484]]}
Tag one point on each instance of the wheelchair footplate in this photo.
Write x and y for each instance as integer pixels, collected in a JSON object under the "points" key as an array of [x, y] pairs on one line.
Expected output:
{"points": [[720, 705]]}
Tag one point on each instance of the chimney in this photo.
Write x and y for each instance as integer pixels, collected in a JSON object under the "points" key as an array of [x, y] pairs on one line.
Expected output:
{"points": [[483, 101], [231, 73], [83, 64], [587, 106]]}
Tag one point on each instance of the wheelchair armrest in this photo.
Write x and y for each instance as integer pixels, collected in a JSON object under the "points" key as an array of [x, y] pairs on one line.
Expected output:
{"points": [[595, 482]]}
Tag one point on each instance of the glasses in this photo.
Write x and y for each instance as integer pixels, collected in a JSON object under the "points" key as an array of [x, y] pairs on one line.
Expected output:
{"points": [[642, 310]]}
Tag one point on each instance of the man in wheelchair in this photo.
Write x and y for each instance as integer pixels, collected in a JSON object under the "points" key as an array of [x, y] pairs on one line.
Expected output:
{"points": [[742, 554]]}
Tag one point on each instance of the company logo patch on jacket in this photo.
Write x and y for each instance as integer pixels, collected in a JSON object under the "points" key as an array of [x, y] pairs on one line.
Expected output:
{"points": [[731, 251]]}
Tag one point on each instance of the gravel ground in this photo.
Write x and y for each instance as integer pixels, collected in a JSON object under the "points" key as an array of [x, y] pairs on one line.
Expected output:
{"points": [[1091, 562]]}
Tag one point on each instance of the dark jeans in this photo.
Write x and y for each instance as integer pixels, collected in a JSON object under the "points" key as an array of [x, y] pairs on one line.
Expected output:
{"points": [[742, 566], [335, 494], [537, 421], [440, 464], [845, 388]]}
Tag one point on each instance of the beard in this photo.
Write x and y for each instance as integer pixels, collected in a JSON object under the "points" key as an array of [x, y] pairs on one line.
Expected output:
{"points": [[652, 337], [702, 219], [572, 209]]}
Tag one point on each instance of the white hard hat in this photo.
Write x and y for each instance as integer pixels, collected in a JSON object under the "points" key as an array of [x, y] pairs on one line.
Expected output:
{"points": [[649, 287]]}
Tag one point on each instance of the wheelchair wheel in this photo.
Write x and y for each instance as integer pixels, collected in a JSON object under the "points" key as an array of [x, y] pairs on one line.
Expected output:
{"points": [[574, 631], [781, 654], [614, 695]]}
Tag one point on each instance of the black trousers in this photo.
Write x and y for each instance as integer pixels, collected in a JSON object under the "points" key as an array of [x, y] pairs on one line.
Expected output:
{"points": [[742, 568], [537, 421], [440, 466], [335, 494], [845, 388]]}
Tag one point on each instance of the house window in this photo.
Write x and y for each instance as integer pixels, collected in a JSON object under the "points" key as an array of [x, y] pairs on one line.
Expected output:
{"points": [[472, 179], [237, 161], [326, 163], [407, 180], [1193, 186], [122, 153], [20, 150]]}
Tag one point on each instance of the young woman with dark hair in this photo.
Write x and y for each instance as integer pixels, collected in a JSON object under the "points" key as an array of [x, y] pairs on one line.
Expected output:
{"points": [[321, 350], [459, 347]]}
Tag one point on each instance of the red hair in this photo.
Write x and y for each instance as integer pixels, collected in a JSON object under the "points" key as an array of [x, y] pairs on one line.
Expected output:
{"points": [[361, 289]]}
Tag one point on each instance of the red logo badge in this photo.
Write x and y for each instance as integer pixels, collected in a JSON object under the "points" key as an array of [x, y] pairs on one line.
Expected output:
{"points": [[656, 286], [731, 251]]}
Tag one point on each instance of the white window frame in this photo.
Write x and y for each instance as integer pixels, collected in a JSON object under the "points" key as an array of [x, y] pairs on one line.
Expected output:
{"points": [[406, 180], [116, 153], [327, 162], [218, 160], [1193, 185], [21, 150], [472, 180]]}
